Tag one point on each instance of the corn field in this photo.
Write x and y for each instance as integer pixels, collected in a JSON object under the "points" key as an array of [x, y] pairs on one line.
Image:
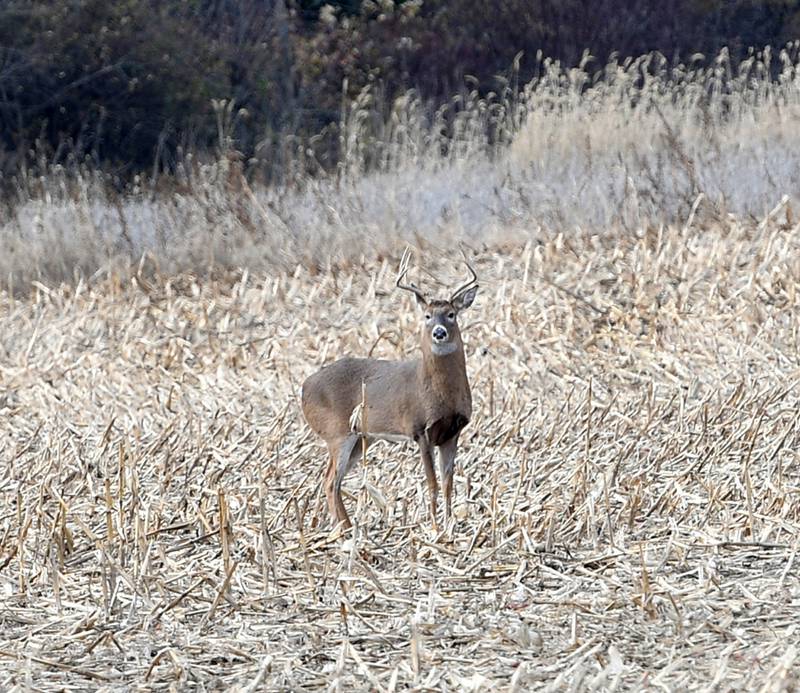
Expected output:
{"points": [[626, 494]]}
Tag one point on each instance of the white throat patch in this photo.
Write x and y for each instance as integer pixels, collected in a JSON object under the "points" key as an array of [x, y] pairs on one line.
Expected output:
{"points": [[443, 349]]}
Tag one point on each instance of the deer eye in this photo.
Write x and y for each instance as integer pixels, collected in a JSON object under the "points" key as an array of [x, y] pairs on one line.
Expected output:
{"points": [[451, 315], [427, 316]]}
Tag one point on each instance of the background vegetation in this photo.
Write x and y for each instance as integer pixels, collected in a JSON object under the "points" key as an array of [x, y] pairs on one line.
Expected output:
{"points": [[130, 85], [649, 144]]}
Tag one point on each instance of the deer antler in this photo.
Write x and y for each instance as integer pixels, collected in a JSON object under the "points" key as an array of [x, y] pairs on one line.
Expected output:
{"points": [[402, 274], [472, 281]]}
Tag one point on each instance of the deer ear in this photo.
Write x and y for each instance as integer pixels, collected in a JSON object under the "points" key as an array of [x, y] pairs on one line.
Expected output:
{"points": [[421, 302], [465, 300]]}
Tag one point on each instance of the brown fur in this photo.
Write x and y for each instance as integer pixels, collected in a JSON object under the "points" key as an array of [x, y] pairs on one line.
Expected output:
{"points": [[427, 400]]}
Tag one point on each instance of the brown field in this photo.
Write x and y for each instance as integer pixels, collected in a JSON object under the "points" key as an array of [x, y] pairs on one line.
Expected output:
{"points": [[626, 494]]}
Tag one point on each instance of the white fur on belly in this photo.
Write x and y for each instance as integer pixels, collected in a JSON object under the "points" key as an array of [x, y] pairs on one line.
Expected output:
{"points": [[391, 437]]}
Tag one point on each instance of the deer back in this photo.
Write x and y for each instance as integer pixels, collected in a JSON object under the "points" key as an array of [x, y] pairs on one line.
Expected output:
{"points": [[330, 396]]}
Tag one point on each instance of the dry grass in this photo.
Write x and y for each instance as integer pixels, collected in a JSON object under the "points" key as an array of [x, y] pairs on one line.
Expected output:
{"points": [[626, 495], [634, 148]]}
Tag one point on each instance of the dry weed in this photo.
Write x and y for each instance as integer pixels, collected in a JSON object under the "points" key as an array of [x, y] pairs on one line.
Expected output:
{"points": [[626, 495]]}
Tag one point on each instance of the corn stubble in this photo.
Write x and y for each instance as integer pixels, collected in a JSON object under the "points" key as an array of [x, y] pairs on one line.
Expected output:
{"points": [[626, 508], [626, 495]]}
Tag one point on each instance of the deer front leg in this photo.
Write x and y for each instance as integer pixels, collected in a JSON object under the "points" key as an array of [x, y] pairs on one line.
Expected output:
{"points": [[426, 452], [447, 463]]}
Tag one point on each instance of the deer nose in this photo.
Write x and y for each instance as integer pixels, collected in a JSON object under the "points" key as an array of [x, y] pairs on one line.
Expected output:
{"points": [[439, 334]]}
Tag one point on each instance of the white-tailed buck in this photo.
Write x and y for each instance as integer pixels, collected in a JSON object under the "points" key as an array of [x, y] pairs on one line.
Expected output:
{"points": [[426, 400]]}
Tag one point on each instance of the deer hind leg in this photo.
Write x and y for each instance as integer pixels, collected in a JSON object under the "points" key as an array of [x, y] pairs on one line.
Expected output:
{"points": [[344, 454], [447, 463], [426, 452], [330, 478]]}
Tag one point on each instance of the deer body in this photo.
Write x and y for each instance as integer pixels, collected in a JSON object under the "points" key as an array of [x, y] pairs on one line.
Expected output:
{"points": [[426, 400]]}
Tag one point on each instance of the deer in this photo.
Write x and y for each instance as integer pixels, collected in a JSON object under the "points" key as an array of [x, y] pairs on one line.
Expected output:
{"points": [[426, 400]]}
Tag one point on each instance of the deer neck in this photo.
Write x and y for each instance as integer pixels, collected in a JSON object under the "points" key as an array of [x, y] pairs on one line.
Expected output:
{"points": [[443, 373], [443, 391]]}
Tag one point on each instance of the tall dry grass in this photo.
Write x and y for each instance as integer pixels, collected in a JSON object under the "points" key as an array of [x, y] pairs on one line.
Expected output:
{"points": [[641, 143]]}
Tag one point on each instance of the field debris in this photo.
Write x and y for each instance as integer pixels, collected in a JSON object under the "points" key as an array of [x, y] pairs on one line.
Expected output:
{"points": [[626, 497]]}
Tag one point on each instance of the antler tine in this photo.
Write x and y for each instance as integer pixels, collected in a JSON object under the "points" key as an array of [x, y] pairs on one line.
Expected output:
{"points": [[401, 275], [460, 290]]}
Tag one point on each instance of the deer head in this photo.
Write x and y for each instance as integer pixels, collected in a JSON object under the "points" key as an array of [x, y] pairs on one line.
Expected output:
{"points": [[441, 335]]}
